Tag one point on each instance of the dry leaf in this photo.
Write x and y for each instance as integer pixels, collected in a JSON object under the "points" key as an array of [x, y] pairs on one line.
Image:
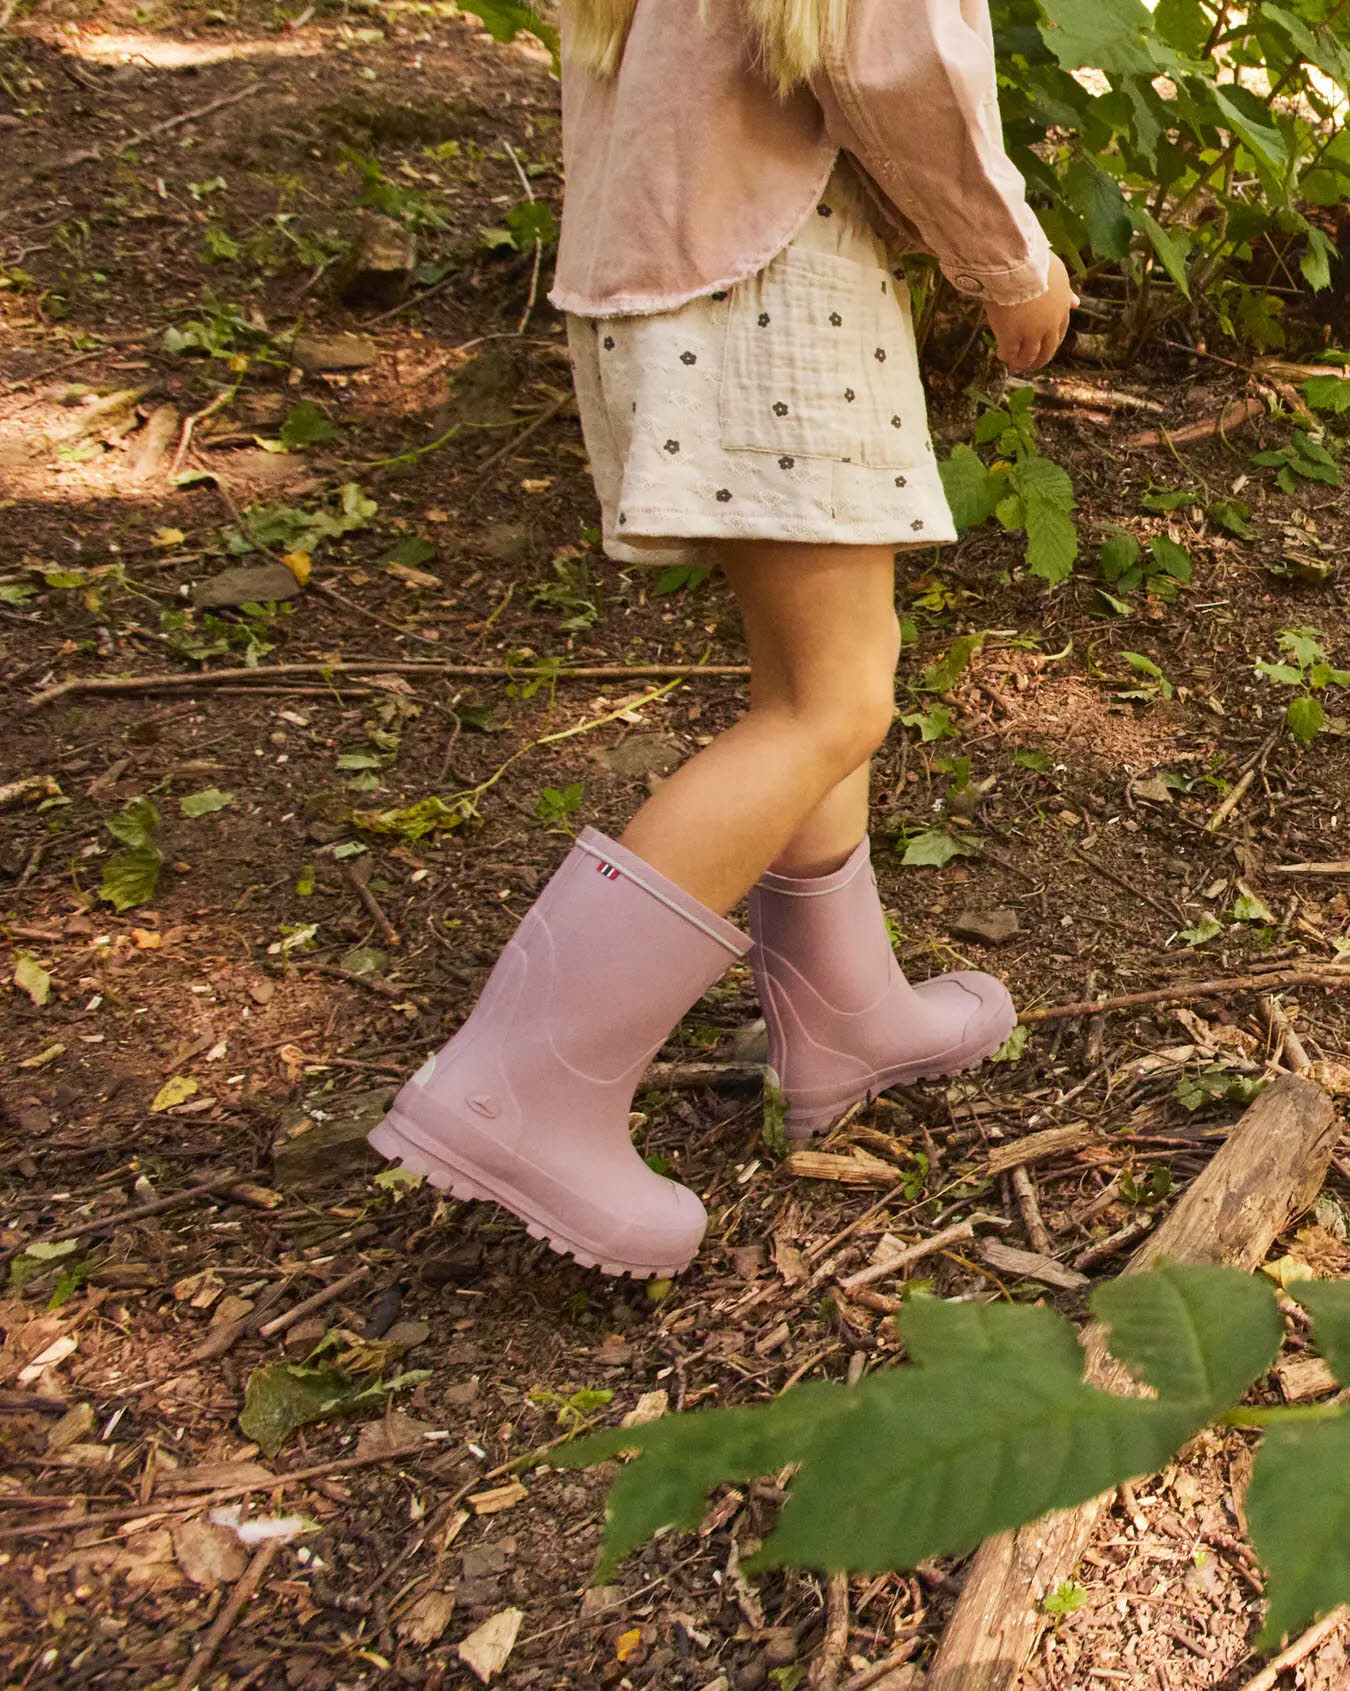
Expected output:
{"points": [[32, 978], [788, 1260], [175, 1091], [627, 1642], [168, 537], [54, 1354], [651, 1406], [299, 564], [71, 1428], [487, 1647], [48, 1054], [146, 939]]}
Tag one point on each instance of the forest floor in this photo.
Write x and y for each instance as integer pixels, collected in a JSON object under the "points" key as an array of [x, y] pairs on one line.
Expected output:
{"points": [[179, 186]]}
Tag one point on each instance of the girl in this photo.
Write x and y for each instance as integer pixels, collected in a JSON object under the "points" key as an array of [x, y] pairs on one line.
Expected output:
{"points": [[747, 380]]}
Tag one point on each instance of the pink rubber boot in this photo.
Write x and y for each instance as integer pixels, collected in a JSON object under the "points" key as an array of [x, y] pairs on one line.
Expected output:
{"points": [[843, 1022], [528, 1104]]}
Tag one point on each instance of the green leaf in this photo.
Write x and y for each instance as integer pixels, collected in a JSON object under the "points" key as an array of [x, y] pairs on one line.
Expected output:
{"points": [[1013, 1046], [1171, 253], [990, 1426], [1234, 515], [972, 489], [505, 19], [1118, 554], [1170, 558], [1183, 24], [1201, 1334], [1052, 539], [1298, 1515], [934, 848], [205, 802], [306, 425], [943, 675], [935, 723], [1106, 35], [1040, 761], [360, 760], [1328, 1302], [1328, 393], [1304, 646], [1095, 195], [1305, 718], [1066, 1599], [32, 978], [136, 825], [1248, 908], [1284, 673], [412, 552], [131, 877], [363, 960], [1163, 499], [282, 1397], [428, 816], [1204, 930]]}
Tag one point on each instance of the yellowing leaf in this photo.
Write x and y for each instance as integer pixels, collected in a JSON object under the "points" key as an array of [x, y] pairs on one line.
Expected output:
{"points": [[1288, 1271], [32, 978], [627, 1642], [146, 939], [48, 1054], [169, 537], [299, 564], [175, 1091]]}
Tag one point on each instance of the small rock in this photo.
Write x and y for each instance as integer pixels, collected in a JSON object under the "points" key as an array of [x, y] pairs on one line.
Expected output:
{"points": [[319, 353], [461, 1395], [302, 1338], [987, 927], [408, 1334], [483, 1561], [505, 543], [752, 1675], [230, 1309], [336, 1146], [643, 754], [750, 1043], [1154, 789], [263, 583], [379, 265], [780, 1646], [599, 1600]]}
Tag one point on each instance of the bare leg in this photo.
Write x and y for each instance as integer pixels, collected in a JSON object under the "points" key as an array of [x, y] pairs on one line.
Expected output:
{"points": [[823, 640]]}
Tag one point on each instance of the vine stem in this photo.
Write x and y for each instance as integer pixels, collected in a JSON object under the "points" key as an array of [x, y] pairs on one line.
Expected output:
{"points": [[1272, 1415]]}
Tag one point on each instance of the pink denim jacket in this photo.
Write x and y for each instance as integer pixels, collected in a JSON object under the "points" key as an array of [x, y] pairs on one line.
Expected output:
{"points": [[686, 172]]}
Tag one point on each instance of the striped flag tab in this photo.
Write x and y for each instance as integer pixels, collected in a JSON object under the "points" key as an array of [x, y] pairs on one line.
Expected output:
{"points": [[608, 871]]}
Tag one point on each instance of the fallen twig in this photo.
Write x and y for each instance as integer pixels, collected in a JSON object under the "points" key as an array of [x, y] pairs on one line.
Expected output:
{"points": [[1230, 803], [372, 904], [953, 1235], [209, 1499], [1301, 1647], [1038, 1147], [1028, 1207], [374, 666], [678, 1075], [514, 445], [1330, 976], [824, 1675], [1066, 394], [1283, 1030], [538, 244], [877, 1672], [248, 1583], [1115, 1242], [190, 422], [1340, 867], [307, 1306], [92, 155], [1231, 417], [138, 1212]]}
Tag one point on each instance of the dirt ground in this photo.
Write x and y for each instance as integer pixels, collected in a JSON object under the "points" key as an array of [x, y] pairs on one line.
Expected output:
{"points": [[179, 188]]}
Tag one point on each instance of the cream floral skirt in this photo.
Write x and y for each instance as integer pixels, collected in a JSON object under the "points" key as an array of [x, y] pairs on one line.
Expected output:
{"points": [[787, 408]]}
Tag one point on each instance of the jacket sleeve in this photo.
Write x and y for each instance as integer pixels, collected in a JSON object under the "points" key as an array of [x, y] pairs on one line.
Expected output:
{"points": [[911, 93]]}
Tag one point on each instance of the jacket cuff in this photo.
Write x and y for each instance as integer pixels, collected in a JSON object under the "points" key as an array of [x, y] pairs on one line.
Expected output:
{"points": [[1026, 281]]}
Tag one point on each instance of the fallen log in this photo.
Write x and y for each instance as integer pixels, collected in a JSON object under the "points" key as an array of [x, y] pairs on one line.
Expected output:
{"points": [[1269, 1170]]}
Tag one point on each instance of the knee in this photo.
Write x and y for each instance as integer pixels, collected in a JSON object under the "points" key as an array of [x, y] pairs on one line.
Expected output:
{"points": [[853, 721]]}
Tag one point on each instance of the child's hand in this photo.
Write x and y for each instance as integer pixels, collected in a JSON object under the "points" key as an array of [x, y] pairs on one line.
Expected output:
{"points": [[1029, 334]]}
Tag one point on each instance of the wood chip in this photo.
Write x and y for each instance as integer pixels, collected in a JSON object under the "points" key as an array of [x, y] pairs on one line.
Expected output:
{"points": [[1040, 1147], [651, 1406], [1305, 1377], [1030, 1265], [427, 1619], [500, 1497], [857, 1168], [487, 1647]]}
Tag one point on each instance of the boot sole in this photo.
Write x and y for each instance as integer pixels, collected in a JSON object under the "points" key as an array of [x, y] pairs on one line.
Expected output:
{"points": [[396, 1139], [907, 1075]]}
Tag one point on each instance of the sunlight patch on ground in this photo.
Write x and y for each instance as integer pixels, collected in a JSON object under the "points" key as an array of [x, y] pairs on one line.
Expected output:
{"points": [[125, 48]]}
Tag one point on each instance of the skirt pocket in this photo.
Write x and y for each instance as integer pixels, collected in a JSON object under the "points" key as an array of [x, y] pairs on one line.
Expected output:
{"points": [[820, 363]]}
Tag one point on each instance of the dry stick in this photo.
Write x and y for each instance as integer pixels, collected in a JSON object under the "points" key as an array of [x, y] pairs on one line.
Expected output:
{"points": [[1223, 811], [1231, 417], [307, 1306], [376, 666], [156, 1206], [953, 1235], [538, 244], [1340, 867], [879, 1672], [372, 904], [824, 1674], [209, 1499], [1028, 1207], [1181, 992], [190, 422], [92, 155], [1123, 884], [513, 446], [1301, 1647], [1283, 1030], [1269, 1170], [249, 1581]]}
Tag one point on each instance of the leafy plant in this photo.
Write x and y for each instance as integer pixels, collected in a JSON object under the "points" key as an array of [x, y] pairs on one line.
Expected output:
{"points": [[556, 804], [1153, 684], [1125, 567], [1027, 492], [1307, 669], [1304, 458], [284, 1396], [934, 848], [572, 590], [131, 876], [990, 1425], [287, 528]]}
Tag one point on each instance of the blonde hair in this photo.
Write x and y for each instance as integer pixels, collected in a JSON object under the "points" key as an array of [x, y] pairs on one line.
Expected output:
{"points": [[791, 33]]}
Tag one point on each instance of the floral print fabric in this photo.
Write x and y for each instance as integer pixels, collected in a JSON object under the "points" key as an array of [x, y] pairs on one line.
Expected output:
{"points": [[786, 408]]}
